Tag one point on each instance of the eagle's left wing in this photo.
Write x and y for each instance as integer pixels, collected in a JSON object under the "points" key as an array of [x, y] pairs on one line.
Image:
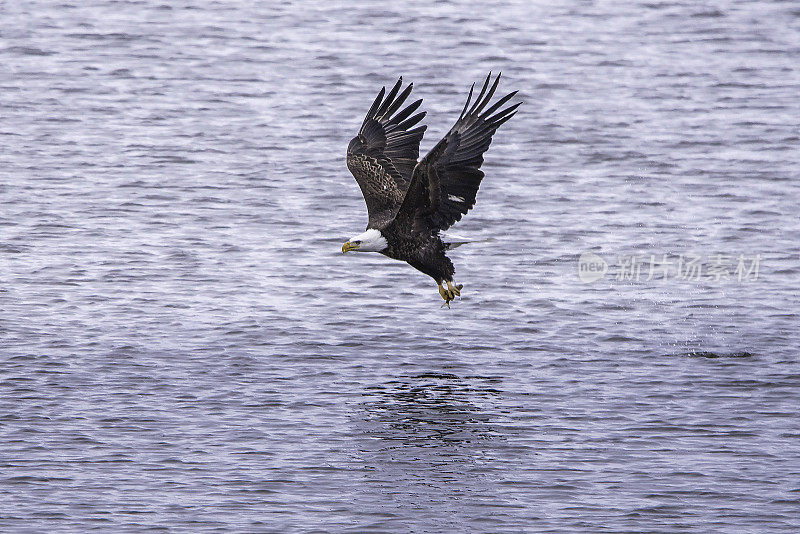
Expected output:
{"points": [[445, 182], [383, 154]]}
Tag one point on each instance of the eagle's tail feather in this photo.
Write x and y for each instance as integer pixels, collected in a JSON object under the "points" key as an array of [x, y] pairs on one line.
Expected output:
{"points": [[452, 241], [450, 245]]}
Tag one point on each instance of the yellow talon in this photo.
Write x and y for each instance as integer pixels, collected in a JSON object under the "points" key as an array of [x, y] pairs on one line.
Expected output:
{"points": [[442, 292], [450, 293], [456, 290], [446, 294]]}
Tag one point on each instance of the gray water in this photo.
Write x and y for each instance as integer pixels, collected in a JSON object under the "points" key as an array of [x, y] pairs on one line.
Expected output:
{"points": [[185, 349]]}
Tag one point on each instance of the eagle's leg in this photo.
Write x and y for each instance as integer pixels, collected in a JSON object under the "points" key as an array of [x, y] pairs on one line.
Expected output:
{"points": [[446, 294], [450, 293]]}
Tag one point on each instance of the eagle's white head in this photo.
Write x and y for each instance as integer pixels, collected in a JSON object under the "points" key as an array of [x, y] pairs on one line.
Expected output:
{"points": [[370, 241]]}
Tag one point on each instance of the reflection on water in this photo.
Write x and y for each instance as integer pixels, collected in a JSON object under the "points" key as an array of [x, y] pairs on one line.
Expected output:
{"points": [[431, 441], [430, 410]]}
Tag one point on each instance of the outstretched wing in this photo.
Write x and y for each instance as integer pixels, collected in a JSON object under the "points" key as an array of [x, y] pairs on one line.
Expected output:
{"points": [[383, 154], [445, 182]]}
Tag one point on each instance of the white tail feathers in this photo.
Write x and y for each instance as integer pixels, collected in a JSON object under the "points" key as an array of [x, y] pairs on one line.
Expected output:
{"points": [[452, 241]]}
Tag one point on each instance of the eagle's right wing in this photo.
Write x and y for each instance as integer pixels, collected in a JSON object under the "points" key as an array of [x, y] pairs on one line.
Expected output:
{"points": [[445, 182], [383, 154]]}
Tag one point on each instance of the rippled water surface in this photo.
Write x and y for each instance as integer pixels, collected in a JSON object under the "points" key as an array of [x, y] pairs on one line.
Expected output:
{"points": [[184, 347]]}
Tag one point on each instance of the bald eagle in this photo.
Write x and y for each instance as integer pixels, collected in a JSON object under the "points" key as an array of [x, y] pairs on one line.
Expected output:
{"points": [[410, 202]]}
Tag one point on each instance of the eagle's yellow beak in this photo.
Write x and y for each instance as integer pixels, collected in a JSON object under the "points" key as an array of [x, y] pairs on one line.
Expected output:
{"points": [[347, 247]]}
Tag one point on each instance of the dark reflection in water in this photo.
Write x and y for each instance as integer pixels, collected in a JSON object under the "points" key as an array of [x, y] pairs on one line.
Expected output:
{"points": [[429, 410], [432, 446]]}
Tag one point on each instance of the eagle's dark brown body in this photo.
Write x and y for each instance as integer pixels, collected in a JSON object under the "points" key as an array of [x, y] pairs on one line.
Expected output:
{"points": [[424, 252], [410, 202]]}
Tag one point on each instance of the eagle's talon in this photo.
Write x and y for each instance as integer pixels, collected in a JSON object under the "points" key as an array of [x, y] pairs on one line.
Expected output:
{"points": [[454, 290], [447, 295]]}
